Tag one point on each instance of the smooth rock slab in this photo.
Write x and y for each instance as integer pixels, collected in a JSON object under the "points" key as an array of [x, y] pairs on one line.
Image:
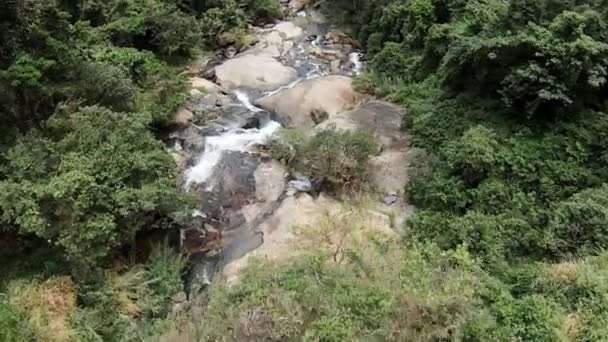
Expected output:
{"points": [[261, 72]]}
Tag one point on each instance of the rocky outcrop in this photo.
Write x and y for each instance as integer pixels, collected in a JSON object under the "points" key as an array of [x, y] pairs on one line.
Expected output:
{"points": [[313, 101], [255, 71], [278, 233], [379, 118], [383, 121]]}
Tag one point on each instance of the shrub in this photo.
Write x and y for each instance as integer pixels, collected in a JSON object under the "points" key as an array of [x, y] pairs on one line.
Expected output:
{"points": [[133, 302], [13, 324], [581, 222], [336, 158]]}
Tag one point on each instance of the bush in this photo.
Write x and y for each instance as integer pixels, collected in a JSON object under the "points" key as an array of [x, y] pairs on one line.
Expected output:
{"points": [[337, 159], [13, 325], [133, 302], [581, 222]]}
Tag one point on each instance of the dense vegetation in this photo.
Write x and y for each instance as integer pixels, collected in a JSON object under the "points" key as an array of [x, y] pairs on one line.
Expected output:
{"points": [[508, 100], [86, 89]]}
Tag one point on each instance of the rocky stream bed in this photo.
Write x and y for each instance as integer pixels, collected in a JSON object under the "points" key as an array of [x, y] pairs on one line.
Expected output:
{"points": [[297, 74]]}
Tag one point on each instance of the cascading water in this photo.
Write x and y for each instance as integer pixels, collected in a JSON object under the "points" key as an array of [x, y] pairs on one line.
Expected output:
{"points": [[243, 98], [241, 140], [355, 59]]}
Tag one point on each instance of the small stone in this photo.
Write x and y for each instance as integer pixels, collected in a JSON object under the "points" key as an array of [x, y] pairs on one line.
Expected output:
{"points": [[230, 52], [300, 184], [390, 199]]}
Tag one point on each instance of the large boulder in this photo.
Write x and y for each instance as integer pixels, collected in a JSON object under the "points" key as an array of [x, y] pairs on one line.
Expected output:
{"points": [[260, 72], [378, 118], [278, 236], [269, 43], [288, 30], [312, 101]]}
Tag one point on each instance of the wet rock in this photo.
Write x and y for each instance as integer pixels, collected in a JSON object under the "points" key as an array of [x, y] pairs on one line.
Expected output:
{"points": [[234, 221], [231, 185], [269, 181], [259, 72], [200, 274], [312, 100], [191, 140]]}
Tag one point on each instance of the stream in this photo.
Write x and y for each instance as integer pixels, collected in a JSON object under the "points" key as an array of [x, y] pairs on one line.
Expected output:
{"points": [[223, 161]]}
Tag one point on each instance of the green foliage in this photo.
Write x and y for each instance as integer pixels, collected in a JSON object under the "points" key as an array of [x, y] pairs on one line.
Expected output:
{"points": [[506, 97], [112, 179], [131, 304], [581, 221], [337, 159], [12, 324]]}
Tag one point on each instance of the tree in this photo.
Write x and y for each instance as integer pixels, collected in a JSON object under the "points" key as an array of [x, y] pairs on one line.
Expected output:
{"points": [[88, 183]]}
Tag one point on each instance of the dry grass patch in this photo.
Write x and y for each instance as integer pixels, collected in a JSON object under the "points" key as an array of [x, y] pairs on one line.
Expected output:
{"points": [[564, 271], [47, 305]]}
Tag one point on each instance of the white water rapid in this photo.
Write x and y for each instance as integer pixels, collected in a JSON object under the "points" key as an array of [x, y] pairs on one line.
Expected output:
{"points": [[355, 58], [245, 101], [241, 140]]}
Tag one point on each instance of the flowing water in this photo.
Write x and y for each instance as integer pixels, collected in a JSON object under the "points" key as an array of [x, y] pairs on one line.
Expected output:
{"points": [[239, 140]]}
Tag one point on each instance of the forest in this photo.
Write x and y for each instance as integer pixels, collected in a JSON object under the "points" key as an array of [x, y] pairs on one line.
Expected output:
{"points": [[507, 99]]}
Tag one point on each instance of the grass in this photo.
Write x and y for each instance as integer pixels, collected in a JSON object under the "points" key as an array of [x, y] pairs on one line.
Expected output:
{"points": [[47, 305]]}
